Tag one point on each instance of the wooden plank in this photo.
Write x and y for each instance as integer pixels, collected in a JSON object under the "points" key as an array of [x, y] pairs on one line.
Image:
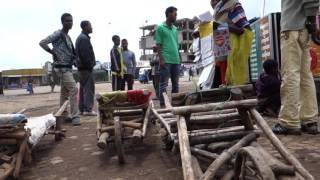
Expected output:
{"points": [[185, 152], [279, 146]]}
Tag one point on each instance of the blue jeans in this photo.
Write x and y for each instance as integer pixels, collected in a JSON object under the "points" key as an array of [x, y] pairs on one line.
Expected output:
{"points": [[166, 72]]}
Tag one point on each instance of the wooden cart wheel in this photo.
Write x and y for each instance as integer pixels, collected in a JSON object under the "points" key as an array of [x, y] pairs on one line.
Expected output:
{"points": [[118, 140], [250, 164]]}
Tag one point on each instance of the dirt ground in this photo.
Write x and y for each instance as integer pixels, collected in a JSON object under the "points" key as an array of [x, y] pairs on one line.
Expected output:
{"points": [[78, 157]]}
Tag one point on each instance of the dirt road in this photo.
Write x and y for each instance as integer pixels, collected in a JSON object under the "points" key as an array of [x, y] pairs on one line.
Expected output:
{"points": [[78, 157]]}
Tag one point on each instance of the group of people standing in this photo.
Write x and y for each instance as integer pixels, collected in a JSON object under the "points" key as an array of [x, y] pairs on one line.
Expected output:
{"points": [[123, 65], [66, 55]]}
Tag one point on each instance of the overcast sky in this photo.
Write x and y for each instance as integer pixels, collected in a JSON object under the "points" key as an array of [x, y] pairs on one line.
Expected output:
{"points": [[25, 22]]}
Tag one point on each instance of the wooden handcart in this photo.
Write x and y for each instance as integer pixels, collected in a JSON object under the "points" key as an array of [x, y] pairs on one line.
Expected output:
{"points": [[121, 121]]}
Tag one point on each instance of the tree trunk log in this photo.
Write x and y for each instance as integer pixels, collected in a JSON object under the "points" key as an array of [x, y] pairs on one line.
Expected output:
{"points": [[279, 146], [227, 155]]}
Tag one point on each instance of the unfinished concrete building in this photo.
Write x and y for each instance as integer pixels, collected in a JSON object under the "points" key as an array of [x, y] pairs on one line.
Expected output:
{"points": [[185, 29]]}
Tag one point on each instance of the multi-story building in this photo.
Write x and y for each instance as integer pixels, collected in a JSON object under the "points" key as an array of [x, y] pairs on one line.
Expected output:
{"points": [[185, 29]]}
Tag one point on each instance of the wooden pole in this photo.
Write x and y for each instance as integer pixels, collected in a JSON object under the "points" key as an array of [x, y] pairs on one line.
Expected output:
{"points": [[203, 153], [237, 94], [167, 101], [196, 168], [62, 109], [99, 123], [146, 120], [20, 156], [102, 142], [185, 152], [279, 146], [163, 122], [227, 155], [230, 136], [226, 111], [214, 106]]}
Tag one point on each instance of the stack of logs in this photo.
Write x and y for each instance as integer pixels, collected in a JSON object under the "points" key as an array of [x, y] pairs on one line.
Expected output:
{"points": [[218, 140], [14, 149]]}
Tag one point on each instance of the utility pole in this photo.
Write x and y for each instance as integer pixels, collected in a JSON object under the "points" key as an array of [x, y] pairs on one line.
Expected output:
{"points": [[263, 8]]}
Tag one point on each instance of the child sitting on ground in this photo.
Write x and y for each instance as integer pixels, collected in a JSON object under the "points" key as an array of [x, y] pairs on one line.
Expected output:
{"points": [[268, 89]]}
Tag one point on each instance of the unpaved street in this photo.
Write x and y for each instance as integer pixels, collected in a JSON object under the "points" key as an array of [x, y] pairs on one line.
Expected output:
{"points": [[78, 157]]}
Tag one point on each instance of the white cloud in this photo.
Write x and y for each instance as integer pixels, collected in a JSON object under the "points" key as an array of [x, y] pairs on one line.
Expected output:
{"points": [[25, 23]]}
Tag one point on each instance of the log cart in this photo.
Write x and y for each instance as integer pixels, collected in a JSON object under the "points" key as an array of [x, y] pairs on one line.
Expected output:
{"points": [[121, 120], [15, 147], [218, 140]]}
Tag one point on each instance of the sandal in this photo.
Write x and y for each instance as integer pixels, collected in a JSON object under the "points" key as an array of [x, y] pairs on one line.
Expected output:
{"points": [[310, 128]]}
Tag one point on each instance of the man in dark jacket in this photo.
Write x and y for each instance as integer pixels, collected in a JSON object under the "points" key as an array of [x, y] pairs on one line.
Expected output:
{"points": [[85, 63], [117, 65]]}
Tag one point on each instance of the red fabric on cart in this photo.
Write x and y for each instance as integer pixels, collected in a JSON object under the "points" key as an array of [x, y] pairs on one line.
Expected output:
{"points": [[139, 96]]}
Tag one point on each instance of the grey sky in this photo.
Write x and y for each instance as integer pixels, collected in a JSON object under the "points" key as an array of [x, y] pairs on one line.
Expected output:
{"points": [[25, 23]]}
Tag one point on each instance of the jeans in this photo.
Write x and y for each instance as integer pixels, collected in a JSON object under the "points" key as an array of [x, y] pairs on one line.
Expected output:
{"points": [[155, 81], [298, 94], [171, 71], [86, 100]]}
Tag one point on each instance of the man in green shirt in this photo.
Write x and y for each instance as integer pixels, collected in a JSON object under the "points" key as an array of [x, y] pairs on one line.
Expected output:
{"points": [[168, 50]]}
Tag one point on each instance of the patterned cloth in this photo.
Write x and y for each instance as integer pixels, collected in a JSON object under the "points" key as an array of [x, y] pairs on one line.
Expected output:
{"points": [[235, 13], [63, 47], [238, 16]]}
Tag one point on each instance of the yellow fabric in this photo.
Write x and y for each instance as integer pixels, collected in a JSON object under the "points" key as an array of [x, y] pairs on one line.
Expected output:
{"points": [[237, 69], [205, 29], [110, 98], [122, 65], [298, 93]]}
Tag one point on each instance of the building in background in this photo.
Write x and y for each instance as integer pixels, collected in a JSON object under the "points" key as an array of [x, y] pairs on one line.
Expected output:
{"points": [[19, 78], [185, 29]]}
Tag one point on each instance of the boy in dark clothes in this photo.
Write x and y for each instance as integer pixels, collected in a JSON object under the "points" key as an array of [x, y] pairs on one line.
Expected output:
{"points": [[268, 89]]}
